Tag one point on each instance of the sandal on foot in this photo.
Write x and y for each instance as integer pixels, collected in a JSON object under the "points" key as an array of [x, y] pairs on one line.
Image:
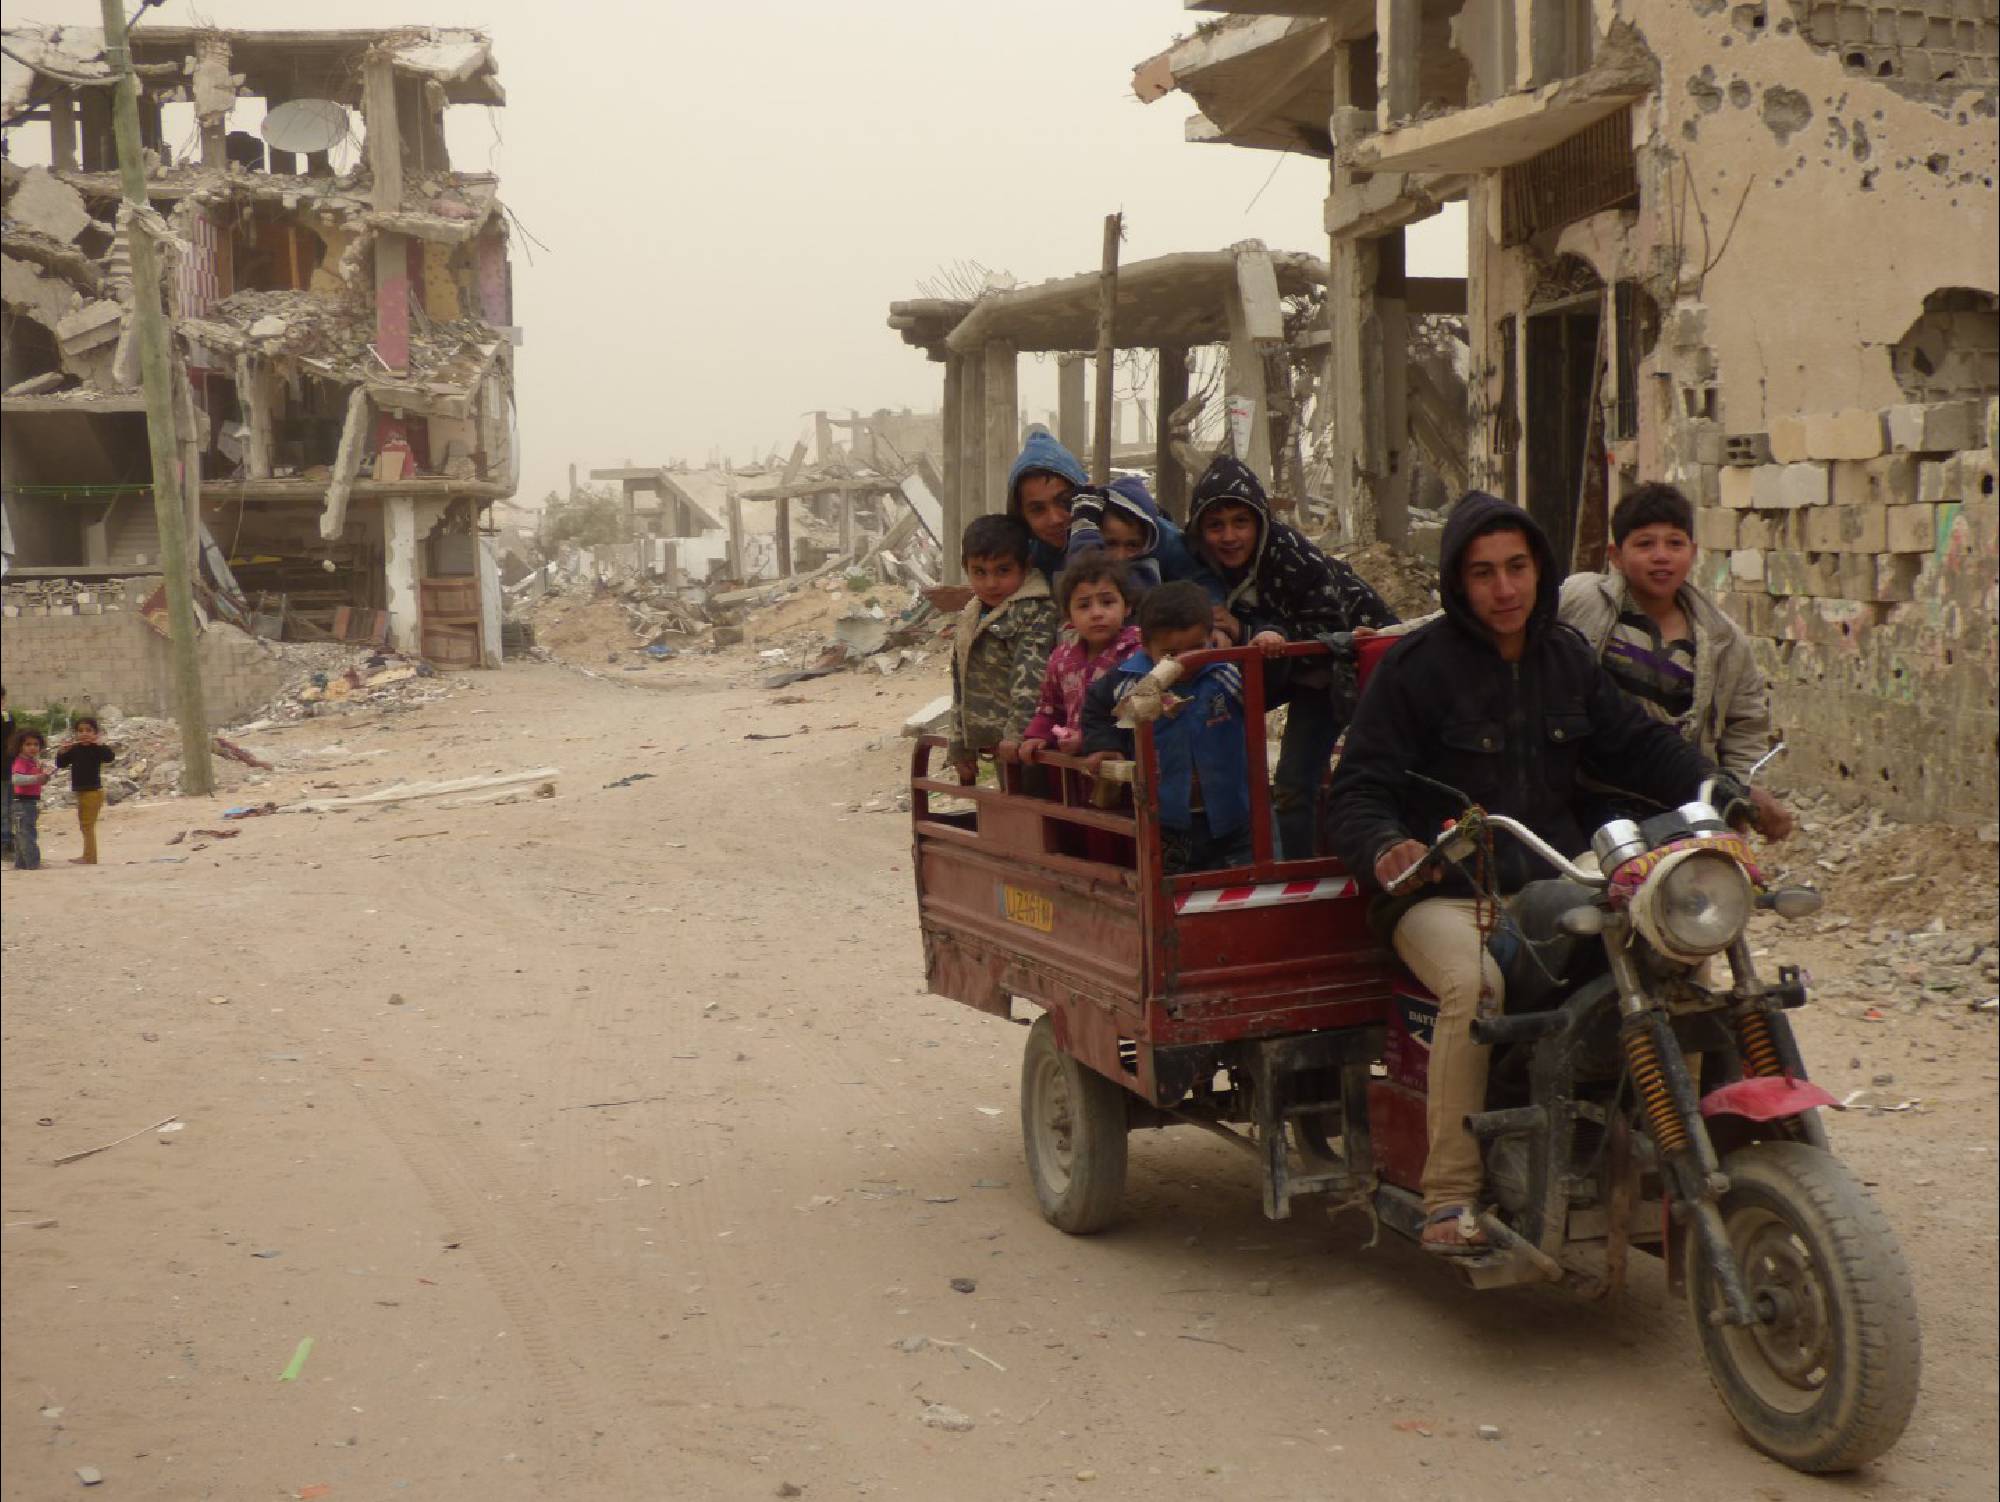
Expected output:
{"points": [[1456, 1233]]}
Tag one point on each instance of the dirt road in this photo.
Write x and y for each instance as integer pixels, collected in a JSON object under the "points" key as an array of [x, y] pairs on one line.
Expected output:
{"points": [[606, 1146]]}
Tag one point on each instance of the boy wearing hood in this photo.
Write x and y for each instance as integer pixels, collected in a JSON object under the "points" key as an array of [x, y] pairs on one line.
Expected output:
{"points": [[1498, 699], [1049, 492], [1278, 587]]}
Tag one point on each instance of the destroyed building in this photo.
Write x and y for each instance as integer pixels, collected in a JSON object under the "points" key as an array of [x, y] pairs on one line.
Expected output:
{"points": [[340, 307], [1746, 248]]}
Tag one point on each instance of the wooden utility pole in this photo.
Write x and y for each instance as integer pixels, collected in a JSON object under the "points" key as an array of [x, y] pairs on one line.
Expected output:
{"points": [[156, 373], [1107, 348]]}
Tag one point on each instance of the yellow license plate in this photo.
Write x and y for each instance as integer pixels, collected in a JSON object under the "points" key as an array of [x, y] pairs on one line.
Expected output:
{"points": [[1029, 909]]}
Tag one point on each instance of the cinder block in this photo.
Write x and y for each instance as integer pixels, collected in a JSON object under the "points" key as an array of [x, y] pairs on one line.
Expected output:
{"points": [[1705, 444], [1911, 529], [1746, 565], [1739, 487], [1890, 480], [1687, 326], [1793, 486], [1754, 530], [1936, 427], [1746, 450], [1715, 527], [1788, 440], [1881, 577], [1791, 572], [1846, 529], [1768, 481], [1854, 433], [1973, 475]]}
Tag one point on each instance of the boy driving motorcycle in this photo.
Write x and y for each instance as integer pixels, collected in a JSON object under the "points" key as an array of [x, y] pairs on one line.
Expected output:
{"points": [[1507, 707]]}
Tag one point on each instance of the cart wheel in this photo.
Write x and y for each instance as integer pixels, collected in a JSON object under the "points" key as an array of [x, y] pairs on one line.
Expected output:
{"points": [[1073, 1127]]}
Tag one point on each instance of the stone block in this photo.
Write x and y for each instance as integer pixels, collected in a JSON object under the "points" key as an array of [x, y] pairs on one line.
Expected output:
{"points": [[1890, 480], [1716, 527], [1754, 530], [1705, 445], [1755, 613], [1791, 572], [1883, 577], [1846, 529], [1788, 440], [1739, 487], [1746, 565], [1937, 482], [1974, 476], [1911, 529], [1854, 433], [1790, 486], [1935, 427]]}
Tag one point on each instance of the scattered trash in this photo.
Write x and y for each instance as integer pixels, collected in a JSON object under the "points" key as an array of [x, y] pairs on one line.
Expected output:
{"points": [[659, 652], [91, 1152], [1413, 1426], [396, 998], [758, 736], [989, 1110], [315, 1491], [938, 1416], [964, 1285], [215, 834], [268, 1254], [89, 1475], [940, 1199], [1489, 1431], [627, 780], [178, 838], [298, 1361], [234, 752], [1086, 1475], [250, 811]]}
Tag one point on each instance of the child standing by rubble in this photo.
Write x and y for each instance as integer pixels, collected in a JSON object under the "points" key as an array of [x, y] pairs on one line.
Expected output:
{"points": [[1000, 650], [26, 774], [1204, 766], [86, 756], [1095, 597]]}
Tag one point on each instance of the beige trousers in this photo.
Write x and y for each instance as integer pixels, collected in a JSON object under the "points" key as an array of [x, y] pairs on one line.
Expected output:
{"points": [[1439, 940]]}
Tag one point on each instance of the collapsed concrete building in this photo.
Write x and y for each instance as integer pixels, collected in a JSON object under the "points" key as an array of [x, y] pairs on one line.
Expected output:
{"points": [[1747, 248], [340, 303]]}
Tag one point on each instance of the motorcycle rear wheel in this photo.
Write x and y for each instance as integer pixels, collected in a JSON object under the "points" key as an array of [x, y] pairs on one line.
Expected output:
{"points": [[1073, 1126], [1827, 1381]]}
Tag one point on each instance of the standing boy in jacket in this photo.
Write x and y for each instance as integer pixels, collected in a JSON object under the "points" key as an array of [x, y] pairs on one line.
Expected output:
{"points": [[1499, 700], [1281, 588], [1668, 646]]}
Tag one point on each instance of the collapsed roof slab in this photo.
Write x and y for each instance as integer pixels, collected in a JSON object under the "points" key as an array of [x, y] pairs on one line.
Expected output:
{"points": [[1171, 301], [1262, 79]]}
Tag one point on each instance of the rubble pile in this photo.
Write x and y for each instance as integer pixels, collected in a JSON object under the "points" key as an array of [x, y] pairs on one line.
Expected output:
{"points": [[45, 597], [1912, 903], [1407, 582]]}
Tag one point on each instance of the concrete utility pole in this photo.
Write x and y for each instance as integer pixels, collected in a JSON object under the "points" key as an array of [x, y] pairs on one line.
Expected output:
{"points": [[1107, 348], [157, 376]]}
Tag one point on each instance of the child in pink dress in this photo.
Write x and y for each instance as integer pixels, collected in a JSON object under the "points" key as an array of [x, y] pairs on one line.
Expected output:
{"points": [[1094, 593]]}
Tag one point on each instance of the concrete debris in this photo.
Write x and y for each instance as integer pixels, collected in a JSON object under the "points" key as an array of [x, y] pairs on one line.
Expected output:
{"points": [[938, 1416], [43, 202]]}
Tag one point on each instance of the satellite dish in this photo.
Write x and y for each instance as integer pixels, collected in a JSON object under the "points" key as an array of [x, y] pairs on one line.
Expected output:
{"points": [[306, 126]]}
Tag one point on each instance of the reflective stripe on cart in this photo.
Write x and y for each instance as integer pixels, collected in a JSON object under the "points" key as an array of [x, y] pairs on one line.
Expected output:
{"points": [[1270, 894]]}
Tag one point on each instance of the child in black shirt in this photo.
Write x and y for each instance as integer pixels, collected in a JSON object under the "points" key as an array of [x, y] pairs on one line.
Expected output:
{"points": [[86, 756]]}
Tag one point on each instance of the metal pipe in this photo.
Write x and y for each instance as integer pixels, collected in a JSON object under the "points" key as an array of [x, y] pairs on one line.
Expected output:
{"points": [[1507, 1123], [1505, 1235]]}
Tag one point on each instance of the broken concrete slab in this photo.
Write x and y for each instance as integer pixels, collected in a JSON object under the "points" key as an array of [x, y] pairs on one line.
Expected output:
{"points": [[44, 202], [90, 326]]}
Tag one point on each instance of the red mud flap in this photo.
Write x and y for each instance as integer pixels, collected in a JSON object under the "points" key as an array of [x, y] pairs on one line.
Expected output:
{"points": [[1766, 1098]]}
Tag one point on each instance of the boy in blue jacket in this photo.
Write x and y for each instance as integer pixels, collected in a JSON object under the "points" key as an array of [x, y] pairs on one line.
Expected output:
{"points": [[1049, 493], [1204, 781]]}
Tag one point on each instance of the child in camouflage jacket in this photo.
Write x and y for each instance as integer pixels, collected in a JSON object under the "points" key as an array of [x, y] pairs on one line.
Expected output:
{"points": [[1001, 648]]}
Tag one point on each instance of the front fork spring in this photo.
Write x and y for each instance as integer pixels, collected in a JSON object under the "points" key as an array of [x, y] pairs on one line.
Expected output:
{"points": [[1649, 1080], [1756, 1043]]}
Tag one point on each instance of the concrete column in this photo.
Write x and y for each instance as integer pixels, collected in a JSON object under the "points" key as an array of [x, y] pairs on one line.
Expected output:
{"points": [[1397, 27], [1002, 401], [1354, 375], [784, 537], [488, 559], [402, 569], [972, 437], [1256, 328], [822, 438], [392, 300], [62, 130], [99, 154], [952, 503], [845, 501], [1392, 518], [1170, 483], [1072, 406]]}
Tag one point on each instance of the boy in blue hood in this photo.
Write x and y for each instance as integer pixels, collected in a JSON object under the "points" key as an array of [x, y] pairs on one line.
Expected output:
{"points": [[1049, 492], [1280, 588]]}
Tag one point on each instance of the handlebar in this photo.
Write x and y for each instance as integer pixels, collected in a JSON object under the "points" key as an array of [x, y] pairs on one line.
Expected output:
{"points": [[1462, 840]]}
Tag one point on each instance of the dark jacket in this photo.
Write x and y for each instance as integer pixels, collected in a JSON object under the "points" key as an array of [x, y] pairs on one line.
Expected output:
{"points": [[1289, 586], [1202, 738], [1167, 556], [1513, 737]]}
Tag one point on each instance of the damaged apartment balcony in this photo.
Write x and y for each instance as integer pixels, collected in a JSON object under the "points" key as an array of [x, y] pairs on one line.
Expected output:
{"points": [[1506, 131]]}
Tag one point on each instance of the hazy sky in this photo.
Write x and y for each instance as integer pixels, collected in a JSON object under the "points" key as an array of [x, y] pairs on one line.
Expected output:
{"points": [[730, 196]]}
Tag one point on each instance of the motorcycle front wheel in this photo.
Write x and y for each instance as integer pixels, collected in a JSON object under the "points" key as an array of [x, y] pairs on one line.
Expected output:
{"points": [[1826, 1380]]}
